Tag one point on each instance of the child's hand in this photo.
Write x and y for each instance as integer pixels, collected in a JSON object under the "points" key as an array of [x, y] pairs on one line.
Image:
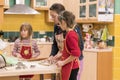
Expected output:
{"points": [[60, 63], [19, 56], [50, 58], [57, 56], [35, 55]]}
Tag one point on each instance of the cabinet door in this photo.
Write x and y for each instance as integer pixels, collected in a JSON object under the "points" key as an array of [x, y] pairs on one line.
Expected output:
{"points": [[45, 50], [93, 10], [83, 13], [92, 0], [83, 9], [105, 63], [82, 1], [89, 71], [40, 3]]}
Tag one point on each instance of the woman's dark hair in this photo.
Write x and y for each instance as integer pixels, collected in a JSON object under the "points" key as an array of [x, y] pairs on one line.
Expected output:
{"points": [[68, 17], [57, 7]]}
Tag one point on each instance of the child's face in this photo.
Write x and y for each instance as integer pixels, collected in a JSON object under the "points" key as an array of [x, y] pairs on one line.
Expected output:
{"points": [[62, 24], [24, 33]]}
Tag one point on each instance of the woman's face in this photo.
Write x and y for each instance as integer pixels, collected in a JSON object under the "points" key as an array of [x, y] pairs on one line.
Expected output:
{"points": [[54, 16], [24, 33]]}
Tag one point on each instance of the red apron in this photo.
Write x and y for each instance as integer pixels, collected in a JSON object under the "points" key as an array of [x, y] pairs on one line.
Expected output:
{"points": [[26, 53], [66, 69]]}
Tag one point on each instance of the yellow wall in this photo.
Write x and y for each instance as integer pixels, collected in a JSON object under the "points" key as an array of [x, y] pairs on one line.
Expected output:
{"points": [[116, 58], [13, 22]]}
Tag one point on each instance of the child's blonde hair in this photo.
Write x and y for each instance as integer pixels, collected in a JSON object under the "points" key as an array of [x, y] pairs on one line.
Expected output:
{"points": [[27, 27]]}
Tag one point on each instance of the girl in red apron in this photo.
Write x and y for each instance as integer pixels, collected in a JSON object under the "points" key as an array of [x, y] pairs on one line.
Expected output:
{"points": [[25, 47], [71, 52]]}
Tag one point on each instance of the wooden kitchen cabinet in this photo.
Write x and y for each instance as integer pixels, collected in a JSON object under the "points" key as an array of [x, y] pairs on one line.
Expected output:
{"points": [[96, 11], [97, 66], [104, 66], [89, 71], [1, 11], [89, 11]]}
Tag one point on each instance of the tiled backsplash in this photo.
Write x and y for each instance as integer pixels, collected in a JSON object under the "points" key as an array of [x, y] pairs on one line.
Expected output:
{"points": [[7, 35]]}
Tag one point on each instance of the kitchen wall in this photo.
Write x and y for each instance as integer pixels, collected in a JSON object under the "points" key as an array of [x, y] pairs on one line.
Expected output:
{"points": [[12, 24], [116, 57]]}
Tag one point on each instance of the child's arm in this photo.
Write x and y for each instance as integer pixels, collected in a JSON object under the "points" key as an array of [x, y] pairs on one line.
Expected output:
{"points": [[69, 59], [36, 50], [35, 55], [57, 56], [72, 49], [15, 51]]}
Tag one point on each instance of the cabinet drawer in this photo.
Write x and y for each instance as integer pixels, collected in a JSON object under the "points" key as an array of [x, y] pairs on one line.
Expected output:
{"points": [[45, 50]]}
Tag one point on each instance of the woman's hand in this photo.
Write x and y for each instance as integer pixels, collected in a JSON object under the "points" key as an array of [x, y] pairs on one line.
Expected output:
{"points": [[60, 63]]}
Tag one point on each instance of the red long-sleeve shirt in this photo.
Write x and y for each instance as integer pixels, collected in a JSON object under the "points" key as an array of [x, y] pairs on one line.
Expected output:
{"points": [[73, 47]]}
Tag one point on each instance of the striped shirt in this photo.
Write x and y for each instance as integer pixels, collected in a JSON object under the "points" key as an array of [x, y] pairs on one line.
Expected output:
{"points": [[18, 44]]}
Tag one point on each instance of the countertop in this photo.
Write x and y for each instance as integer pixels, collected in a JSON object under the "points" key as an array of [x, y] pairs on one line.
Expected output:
{"points": [[108, 49]]}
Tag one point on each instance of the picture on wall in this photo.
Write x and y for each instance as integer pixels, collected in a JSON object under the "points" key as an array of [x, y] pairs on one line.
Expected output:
{"points": [[105, 10]]}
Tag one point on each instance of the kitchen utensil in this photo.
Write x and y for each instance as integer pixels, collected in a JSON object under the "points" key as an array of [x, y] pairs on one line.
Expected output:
{"points": [[2, 61]]}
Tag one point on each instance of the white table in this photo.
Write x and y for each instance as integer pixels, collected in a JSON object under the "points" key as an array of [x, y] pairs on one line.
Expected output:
{"points": [[38, 69]]}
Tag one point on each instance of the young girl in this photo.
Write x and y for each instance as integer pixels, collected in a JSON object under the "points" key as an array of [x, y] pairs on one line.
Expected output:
{"points": [[25, 47], [71, 50]]}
